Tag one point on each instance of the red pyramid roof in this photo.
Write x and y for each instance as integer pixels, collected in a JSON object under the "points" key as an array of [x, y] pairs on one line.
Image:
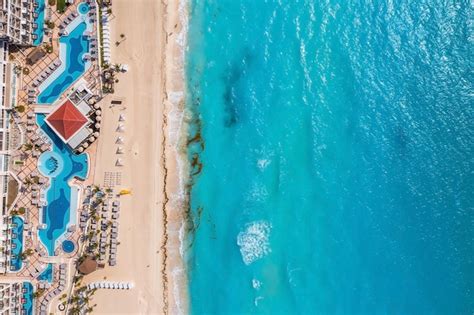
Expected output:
{"points": [[66, 120]]}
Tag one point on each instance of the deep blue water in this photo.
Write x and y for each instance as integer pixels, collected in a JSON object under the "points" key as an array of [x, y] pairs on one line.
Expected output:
{"points": [[332, 157], [68, 246], [56, 213]]}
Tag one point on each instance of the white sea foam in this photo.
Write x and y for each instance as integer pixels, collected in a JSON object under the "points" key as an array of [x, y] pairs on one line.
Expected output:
{"points": [[175, 135], [256, 284], [258, 298], [257, 193], [263, 163], [254, 241]]}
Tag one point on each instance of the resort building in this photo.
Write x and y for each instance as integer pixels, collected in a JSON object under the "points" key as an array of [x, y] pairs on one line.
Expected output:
{"points": [[5, 70], [16, 298], [17, 21]]}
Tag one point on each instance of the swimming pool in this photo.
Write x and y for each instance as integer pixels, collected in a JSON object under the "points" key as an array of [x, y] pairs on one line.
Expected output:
{"points": [[27, 307], [50, 164], [83, 8], [47, 274], [39, 32], [68, 246], [17, 239], [72, 48], [56, 214]]}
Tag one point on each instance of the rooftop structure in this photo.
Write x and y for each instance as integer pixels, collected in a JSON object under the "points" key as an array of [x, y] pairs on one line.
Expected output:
{"points": [[17, 21], [16, 298], [87, 266], [66, 120]]}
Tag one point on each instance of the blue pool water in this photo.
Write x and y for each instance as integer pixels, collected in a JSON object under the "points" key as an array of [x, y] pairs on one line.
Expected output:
{"points": [[28, 296], [83, 8], [336, 145], [50, 163], [18, 241], [40, 21], [76, 45], [47, 274], [68, 246], [58, 195]]}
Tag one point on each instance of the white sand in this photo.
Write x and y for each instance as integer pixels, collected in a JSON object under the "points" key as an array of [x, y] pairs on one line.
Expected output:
{"points": [[143, 258]]}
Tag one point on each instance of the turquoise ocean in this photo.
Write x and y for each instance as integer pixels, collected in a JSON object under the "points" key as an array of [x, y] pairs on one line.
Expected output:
{"points": [[332, 158]]}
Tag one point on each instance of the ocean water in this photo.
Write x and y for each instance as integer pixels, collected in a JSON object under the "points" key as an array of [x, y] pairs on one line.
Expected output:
{"points": [[331, 152]]}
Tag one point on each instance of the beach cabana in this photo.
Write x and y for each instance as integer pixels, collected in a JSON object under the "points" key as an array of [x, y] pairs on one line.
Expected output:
{"points": [[87, 266]]}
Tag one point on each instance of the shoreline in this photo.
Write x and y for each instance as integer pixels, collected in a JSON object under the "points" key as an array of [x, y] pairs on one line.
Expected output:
{"points": [[174, 156]]}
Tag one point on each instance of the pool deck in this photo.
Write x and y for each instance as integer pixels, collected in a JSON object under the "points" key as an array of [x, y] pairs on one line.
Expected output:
{"points": [[39, 193]]}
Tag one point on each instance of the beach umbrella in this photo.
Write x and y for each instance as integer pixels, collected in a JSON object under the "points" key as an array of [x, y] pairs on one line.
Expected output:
{"points": [[119, 150], [91, 139], [119, 162], [97, 126], [122, 117], [98, 118], [80, 149], [119, 140], [85, 145], [96, 134], [120, 128], [96, 106], [98, 112]]}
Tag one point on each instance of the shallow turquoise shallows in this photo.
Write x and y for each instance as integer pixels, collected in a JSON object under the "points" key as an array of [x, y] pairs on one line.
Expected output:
{"points": [[337, 145]]}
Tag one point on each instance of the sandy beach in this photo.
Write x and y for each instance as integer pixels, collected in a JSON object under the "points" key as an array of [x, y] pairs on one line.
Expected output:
{"points": [[148, 255]]}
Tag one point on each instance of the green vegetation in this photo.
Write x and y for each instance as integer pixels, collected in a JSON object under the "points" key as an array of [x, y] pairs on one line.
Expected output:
{"points": [[27, 146], [21, 210], [38, 293], [26, 71], [48, 48], [50, 24], [26, 253], [35, 179], [20, 108], [52, 2], [61, 6]]}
